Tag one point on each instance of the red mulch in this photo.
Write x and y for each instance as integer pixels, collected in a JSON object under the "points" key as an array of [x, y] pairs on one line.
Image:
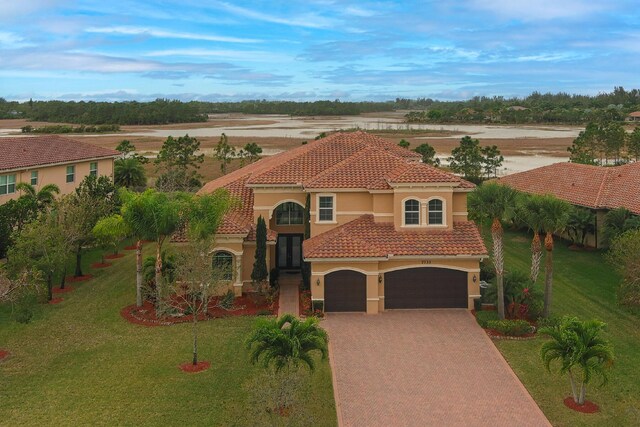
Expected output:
{"points": [[199, 367], [581, 248], [130, 248], [588, 407], [101, 264], [56, 300], [113, 256], [73, 279], [62, 291], [3, 354], [243, 306]]}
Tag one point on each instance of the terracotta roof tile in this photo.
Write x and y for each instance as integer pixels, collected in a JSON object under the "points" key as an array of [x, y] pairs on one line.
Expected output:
{"points": [[25, 152], [365, 238], [595, 187]]}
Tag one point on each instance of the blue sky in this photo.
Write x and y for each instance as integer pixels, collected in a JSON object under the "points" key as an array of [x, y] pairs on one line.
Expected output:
{"points": [[315, 49]]}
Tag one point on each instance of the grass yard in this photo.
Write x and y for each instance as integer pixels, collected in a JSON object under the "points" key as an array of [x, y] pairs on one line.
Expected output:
{"points": [[81, 363], [584, 286]]}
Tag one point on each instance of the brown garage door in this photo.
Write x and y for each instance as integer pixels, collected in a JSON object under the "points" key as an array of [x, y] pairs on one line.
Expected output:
{"points": [[345, 290], [425, 287]]}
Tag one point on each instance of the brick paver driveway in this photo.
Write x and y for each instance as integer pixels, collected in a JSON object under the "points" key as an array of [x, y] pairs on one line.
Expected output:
{"points": [[423, 368]]}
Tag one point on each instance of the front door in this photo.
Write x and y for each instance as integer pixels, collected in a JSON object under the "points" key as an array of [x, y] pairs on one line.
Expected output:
{"points": [[289, 251]]}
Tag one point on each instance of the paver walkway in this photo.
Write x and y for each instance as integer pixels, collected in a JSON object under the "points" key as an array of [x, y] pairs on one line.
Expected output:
{"points": [[423, 368], [289, 297]]}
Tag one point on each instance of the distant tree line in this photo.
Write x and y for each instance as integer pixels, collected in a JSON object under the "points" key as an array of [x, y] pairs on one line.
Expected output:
{"points": [[605, 144], [70, 129]]}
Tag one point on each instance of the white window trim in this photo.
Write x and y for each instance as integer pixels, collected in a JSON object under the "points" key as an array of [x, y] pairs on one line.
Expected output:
{"points": [[444, 213], [91, 170], [15, 178], [419, 224], [275, 208], [335, 208], [37, 178], [67, 174]]}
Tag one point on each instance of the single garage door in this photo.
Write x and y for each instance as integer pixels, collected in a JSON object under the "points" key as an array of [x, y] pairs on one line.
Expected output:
{"points": [[425, 287], [345, 290]]}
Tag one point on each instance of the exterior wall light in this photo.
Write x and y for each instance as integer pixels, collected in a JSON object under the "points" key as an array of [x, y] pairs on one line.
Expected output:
{"points": [[318, 281], [475, 278], [379, 278]]}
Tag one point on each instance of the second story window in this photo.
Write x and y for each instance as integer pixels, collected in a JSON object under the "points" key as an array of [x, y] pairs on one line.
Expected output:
{"points": [[436, 212], [93, 169], [412, 212], [71, 173], [325, 208], [289, 213], [7, 184], [34, 178]]}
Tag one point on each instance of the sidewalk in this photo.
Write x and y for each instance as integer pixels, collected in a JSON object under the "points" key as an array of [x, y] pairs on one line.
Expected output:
{"points": [[289, 294]]}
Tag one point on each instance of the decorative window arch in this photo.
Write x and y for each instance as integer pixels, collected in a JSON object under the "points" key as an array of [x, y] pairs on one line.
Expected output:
{"points": [[411, 212], [435, 212], [223, 262], [289, 213]]}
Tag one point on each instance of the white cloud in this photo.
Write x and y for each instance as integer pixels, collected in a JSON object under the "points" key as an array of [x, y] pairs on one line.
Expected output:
{"points": [[307, 20], [249, 56], [528, 10], [10, 40], [12, 8], [153, 32]]}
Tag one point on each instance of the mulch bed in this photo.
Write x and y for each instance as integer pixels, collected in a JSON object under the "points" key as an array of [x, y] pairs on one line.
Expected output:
{"points": [[62, 291], [101, 265], [580, 248], [56, 300], [199, 367], [588, 407], [243, 306], [130, 248], [113, 256], [3, 354], [74, 279]]}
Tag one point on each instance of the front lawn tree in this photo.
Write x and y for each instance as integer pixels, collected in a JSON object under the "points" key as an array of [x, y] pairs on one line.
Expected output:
{"points": [[494, 202], [555, 215], [581, 351], [43, 197], [109, 232], [624, 255], [129, 173], [580, 223], [260, 273], [530, 212]]}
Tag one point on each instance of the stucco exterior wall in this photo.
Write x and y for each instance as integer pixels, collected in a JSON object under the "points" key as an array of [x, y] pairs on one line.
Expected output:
{"points": [[265, 200], [57, 174], [423, 195]]}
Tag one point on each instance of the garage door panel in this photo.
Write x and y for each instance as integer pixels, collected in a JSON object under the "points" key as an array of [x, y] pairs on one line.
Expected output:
{"points": [[425, 287], [345, 290]]}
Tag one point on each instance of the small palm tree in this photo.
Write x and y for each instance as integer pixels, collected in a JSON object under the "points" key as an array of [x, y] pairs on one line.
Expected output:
{"points": [[129, 173], [494, 201], [287, 342], [578, 347], [44, 197], [530, 212], [555, 215]]}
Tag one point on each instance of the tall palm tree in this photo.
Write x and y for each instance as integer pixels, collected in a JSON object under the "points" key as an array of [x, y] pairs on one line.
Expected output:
{"points": [[555, 215], [44, 197], [494, 202], [129, 173], [578, 347], [530, 212], [287, 342]]}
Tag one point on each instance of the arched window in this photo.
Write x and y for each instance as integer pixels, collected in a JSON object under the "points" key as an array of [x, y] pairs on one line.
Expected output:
{"points": [[289, 213], [223, 265], [412, 212], [436, 212]]}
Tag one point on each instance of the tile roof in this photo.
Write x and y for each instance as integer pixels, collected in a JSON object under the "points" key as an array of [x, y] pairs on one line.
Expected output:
{"points": [[365, 238], [25, 152], [595, 187], [634, 114], [341, 160]]}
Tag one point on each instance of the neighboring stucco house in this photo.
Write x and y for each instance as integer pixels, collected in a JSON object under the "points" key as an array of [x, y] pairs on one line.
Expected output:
{"points": [[386, 230], [634, 117], [50, 159], [598, 188]]}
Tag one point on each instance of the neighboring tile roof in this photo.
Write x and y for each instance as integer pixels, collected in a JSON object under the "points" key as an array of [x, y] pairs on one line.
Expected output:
{"points": [[342, 160], [635, 114], [25, 152], [595, 187], [365, 238]]}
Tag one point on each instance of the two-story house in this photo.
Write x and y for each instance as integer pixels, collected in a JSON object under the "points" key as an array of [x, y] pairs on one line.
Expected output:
{"points": [[386, 231], [50, 159]]}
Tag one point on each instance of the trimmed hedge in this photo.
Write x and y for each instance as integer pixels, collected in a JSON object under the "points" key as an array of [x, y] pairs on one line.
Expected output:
{"points": [[485, 316], [512, 328]]}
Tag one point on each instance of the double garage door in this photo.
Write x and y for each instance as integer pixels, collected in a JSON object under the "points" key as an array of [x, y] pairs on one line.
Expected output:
{"points": [[425, 287]]}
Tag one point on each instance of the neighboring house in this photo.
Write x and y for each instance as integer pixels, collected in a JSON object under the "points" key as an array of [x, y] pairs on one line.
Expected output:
{"points": [[386, 231], [50, 159], [598, 188], [634, 117]]}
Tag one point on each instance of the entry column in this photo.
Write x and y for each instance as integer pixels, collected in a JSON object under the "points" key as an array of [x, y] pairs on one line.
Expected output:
{"points": [[237, 286], [373, 297]]}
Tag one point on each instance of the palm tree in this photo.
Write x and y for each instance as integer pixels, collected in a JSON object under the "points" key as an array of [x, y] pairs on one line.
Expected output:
{"points": [[578, 346], [494, 201], [555, 215], [286, 342], [129, 173], [530, 212], [42, 198]]}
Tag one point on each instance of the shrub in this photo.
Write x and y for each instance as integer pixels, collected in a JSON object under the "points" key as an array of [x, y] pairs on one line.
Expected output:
{"points": [[487, 271], [513, 328], [264, 312], [227, 300], [485, 316], [520, 297], [549, 322], [274, 274], [24, 307]]}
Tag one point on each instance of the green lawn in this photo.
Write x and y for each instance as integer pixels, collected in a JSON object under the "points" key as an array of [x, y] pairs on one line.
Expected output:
{"points": [[80, 363], [584, 286]]}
